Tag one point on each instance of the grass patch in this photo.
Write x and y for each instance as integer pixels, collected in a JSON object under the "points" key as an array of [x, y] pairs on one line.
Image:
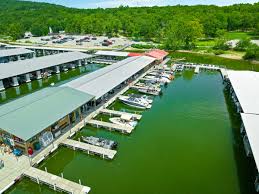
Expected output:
{"points": [[205, 43], [215, 60], [237, 35]]}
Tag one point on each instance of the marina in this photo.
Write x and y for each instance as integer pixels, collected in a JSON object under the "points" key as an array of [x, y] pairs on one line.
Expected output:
{"points": [[215, 150], [86, 110]]}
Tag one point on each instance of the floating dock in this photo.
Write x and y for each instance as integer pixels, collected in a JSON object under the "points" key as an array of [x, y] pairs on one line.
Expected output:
{"points": [[111, 126], [55, 182], [90, 149]]}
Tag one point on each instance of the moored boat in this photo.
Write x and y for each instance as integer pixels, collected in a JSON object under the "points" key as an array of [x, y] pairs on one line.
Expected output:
{"points": [[124, 120], [101, 142], [135, 102]]}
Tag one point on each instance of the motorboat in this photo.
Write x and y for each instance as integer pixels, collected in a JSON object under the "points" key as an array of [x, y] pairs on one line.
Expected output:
{"points": [[101, 142], [179, 67], [135, 102], [125, 120], [158, 78], [142, 97], [150, 90]]}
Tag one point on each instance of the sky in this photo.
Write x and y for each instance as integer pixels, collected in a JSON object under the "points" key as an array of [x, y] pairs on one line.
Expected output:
{"points": [[116, 3]]}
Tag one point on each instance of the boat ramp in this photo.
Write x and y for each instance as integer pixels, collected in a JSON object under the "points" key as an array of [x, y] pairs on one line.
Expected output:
{"points": [[111, 126], [55, 182], [90, 149], [119, 113]]}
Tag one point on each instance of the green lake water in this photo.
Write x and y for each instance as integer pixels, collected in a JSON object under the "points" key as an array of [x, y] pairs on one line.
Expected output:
{"points": [[187, 143], [26, 88]]}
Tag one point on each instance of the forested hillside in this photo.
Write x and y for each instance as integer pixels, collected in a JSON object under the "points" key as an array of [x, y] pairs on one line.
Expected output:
{"points": [[149, 23]]}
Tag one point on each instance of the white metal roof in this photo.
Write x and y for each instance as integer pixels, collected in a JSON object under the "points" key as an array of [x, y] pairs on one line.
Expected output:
{"points": [[246, 87], [25, 66], [251, 124], [102, 81], [47, 48], [13, 52], [112, 53]]}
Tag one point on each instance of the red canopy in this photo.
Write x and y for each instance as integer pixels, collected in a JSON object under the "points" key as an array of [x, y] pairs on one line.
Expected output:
{"points": [[158, 54], [135, 54]]}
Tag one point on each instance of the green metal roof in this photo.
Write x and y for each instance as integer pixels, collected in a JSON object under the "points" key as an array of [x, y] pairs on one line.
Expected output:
{"points": [[29, 115]]}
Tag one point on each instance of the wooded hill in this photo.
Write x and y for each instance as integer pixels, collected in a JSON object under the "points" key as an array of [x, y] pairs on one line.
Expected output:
{"points": [[148, 23]]}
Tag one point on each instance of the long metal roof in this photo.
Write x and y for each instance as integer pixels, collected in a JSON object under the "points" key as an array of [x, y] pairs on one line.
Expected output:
{"points": [[245, 85], [29, 115], [102, 81], [251, 123], [47, 48], [25, 66], [13, 52], [112, 53]]}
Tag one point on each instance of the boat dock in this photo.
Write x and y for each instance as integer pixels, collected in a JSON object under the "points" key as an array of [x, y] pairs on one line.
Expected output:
{"points": [[224, 73], [90, 149], [55, 182], [119, 113], [111, 126], [197, 69]]}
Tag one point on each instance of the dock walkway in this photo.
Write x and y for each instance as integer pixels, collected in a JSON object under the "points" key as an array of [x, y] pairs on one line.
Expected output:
{"points": [[55, 182], [119, 113], [91, 149], [110, 126]]}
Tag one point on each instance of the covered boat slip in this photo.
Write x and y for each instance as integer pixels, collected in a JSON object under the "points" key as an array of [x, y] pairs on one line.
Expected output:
{"points": [[112, 53], [244, 90], [105, 80], [24, 67], [7, 54], [245, 85], [251, 139], [24, 120]]}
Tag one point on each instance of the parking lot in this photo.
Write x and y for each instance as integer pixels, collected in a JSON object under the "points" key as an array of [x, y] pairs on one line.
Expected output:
{"points": [[80, 41]]}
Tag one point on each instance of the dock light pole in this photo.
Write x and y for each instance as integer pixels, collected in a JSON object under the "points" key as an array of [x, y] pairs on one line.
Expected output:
{"points": [[80, 182], [46, 169], [62, 176]]}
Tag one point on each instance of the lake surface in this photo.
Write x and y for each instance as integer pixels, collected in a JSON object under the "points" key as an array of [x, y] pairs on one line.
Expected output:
{"points": [[187, 143]]}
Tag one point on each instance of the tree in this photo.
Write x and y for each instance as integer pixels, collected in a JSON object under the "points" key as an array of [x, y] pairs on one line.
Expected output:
{"points": [[15, 30], [182, 34], [243, 45], [252, 53]]}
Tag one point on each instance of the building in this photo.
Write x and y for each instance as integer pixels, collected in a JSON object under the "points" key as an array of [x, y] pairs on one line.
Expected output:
{"points": [[33, 121], [105, 81], [109, 56], [15, 54], [14, 73], [160, 55], [244, 91]]}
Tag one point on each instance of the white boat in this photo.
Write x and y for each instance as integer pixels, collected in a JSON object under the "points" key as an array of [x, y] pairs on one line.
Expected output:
{"points": [[150, 90], [101, 142], [135, 102], [142, 97], [124, 120], [160, 79]]}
